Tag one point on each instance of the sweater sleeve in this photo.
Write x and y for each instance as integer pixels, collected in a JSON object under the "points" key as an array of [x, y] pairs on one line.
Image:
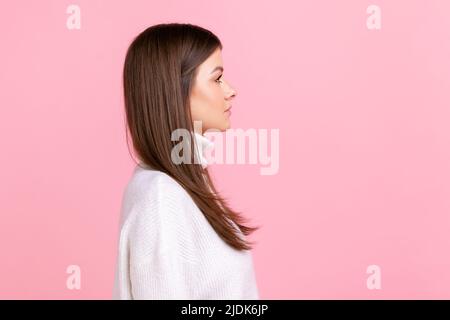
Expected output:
{"points": [[162, 254]]}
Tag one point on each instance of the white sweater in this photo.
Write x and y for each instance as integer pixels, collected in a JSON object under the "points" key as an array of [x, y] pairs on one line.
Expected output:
{"points": [[168, 250]]}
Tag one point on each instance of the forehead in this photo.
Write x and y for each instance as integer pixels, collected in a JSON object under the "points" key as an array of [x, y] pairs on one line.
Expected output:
{"points": [[213, 61]]}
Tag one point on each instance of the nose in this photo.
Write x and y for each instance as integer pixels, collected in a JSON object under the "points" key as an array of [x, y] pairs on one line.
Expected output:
{"points": [[231, 93]]}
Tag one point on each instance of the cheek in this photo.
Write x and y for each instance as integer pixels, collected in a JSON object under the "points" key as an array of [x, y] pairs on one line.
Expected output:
{"points": [[217, 97], [212, 92], [208, 101]]}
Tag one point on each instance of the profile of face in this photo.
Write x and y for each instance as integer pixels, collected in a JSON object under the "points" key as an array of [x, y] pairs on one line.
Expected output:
{"points": [[211, 95]]}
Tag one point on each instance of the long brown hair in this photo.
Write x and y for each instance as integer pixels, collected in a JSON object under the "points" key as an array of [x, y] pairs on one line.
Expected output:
{"points": [[159, 72]]}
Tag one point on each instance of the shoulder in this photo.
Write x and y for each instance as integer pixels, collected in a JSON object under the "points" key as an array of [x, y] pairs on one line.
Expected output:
{"points": [[158, 211], [154, 195], [146, 185]]}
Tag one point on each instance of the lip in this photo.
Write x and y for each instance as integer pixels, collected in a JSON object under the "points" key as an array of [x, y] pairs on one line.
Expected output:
{"points": [[229, 109]]}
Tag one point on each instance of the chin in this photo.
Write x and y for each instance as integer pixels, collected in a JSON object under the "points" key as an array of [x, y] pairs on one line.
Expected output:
{"points": [[221, 126], [227, 126]]}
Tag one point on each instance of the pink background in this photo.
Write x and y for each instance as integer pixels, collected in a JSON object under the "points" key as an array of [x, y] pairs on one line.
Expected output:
{"points": [[364, 119]]}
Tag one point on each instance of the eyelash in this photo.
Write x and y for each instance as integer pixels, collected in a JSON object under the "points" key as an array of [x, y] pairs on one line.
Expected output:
{"points": [[219, 77]]}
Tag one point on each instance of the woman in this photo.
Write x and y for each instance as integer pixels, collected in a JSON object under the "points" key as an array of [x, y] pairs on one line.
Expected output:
{"points": [[178, 238]]}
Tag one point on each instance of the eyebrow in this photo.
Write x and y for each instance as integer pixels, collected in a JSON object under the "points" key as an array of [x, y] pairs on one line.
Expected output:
{"points": [[217, 68]]}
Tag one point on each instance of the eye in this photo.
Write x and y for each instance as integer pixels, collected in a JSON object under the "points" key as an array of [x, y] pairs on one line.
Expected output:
{"points": [[218, 79]]}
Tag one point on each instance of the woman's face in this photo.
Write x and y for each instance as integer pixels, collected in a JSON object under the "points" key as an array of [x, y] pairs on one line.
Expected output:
{"points": [[211, 95]]}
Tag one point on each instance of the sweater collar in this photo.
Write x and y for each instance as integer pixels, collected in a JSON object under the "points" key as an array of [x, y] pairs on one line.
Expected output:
{"points": [[203, 144]]}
